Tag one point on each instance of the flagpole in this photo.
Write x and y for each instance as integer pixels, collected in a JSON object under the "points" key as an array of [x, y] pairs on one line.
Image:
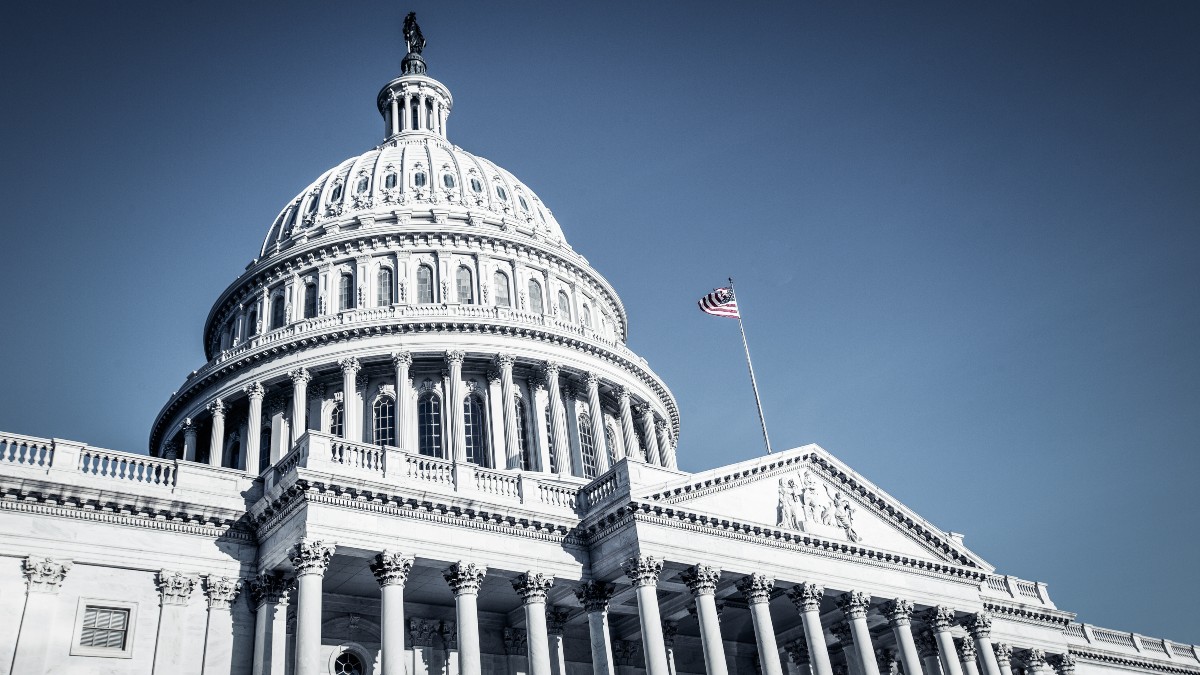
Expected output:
{"points": [[753, 383]]}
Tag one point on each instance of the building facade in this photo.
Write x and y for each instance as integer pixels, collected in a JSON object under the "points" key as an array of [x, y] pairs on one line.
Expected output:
{"points": [[421, 445]]}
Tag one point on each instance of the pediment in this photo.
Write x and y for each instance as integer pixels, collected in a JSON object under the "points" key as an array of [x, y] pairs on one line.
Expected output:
{"points": [[808, 490]]}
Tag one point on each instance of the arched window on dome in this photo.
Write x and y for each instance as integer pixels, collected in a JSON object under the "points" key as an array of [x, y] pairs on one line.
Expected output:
{"points": [[346, 291], [610, 442], [419, 179], [384, 294], [564, 305], [522, 434], [362, 185], [226, 338], [416, 117], [424, 284], [310, 300], [429, 425], [476, 186], [264, 449], [277, 311], [500, 282], [429, 113], [384, 421], [232, 456], [448, 181], [337, 420], [524, 204], [502, 193], [585, 315], [587, 446], [466, 287], [389, 181], [535, 297], [337, 192], [475, 430], [550, 440], [252, 323]]}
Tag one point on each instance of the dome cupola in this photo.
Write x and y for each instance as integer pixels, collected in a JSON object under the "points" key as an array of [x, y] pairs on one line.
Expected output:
{"points": [[414, 103]]}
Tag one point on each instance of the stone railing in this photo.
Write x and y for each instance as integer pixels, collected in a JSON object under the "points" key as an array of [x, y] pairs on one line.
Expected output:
{"points": [[385, 464], [25, 450], [1020, 590], [1083, 636]]}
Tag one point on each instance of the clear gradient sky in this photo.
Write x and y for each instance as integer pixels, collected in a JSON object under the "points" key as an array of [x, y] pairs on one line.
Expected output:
{"points": [[965, 236]]}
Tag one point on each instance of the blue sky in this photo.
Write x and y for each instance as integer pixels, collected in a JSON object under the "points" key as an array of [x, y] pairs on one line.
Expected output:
{"points": [[965, 238]]}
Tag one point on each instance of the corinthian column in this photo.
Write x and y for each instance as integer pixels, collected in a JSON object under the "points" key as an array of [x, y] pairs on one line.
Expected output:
{"points": [[599, 439], [556, 623], [508, 402], [966, 656], [560, 445], [300, 379], [464, 579], [941, 619], [807, 598], [980, 627], [269, 599], [899, 616], [532, 587], [1004, 654], [254, 392], [845, 637], [644, 571], [454, 409], [757, 588], [310, 558], [174, 591], [702, 579], [221, 592], [798, 657], [628, 434], [594, 596], [43, 579], [402, 361], [391, 571], [670, 630], [351, 415], [216, 443], [650, 433], [855, 606], [927, 648], [189, 439]]}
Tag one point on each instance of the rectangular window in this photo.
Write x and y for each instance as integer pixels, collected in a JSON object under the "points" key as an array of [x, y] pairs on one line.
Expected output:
{"points": [[104, 628]]}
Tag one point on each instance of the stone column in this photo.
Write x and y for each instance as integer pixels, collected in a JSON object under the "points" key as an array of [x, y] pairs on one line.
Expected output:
{"points": [[269, 597], [702, 580], [406, 118], [941, 619], [644, 571], [757, 588], [391, 571], [979, 625], [854, 606], [393, 108], [899, 616], [807, 598], [599, 439], [464, 579], [449, 635], [1003, 654], [532, 587], [189, 439], [350, 413], [1064, 664], [310, 558], [928, 650], [216, 443], [594, 597], [508, 402], [556, 623], [254, 392], [453, 411], [300, 379], [174, 590], [560, 445], [516, 647], [628, 432], [966, 656], [845, 637], [670, 630], [1035, 661], [539, 401], [405, 418], [646, 413], [885, 659], [798, 657], [221, 593], [665, 454], [43, 579], [421, 632]]}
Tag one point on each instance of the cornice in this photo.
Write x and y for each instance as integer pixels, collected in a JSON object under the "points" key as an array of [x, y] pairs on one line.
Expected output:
{"points": [[1102, 656], [1031, 615]]}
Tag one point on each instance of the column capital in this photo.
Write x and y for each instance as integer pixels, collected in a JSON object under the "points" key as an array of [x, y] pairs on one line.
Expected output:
{"points": [[515, 641], [884, 658], [941, 618], [756, 588], [505, 360], [807, 596], [421, 631], [670, 630], [300, 376], [391, 568], [621, 392], [270, 588], [1035, 658], [966, 651], [643, 409], [556, 620], [797, 651], [854, 604], [217, 407], [174, 588], [311, 557], [841, 630], [1063, 663], [926, 645], [255, 390], [625, 652], [45, 575], [465, 577], [221, 591], [188, 426], [594, 595], [1004, 651], [898, 612], [455, 357], [493, 376], [350, 364], [449, 633], [643, 570], [533, 586], [402, 359], [551, 369], [702, 579], [592, 379], [979, 625]]}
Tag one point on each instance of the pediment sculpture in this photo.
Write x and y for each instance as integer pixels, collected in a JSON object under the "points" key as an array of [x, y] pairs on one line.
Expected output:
{"points": [[809, 505]]}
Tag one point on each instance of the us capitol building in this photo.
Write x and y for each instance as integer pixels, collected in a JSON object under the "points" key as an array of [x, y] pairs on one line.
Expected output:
{"points": [[421, 445]]}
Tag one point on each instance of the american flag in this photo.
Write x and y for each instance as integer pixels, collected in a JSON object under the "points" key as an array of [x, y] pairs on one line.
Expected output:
{"points": [[720, 303]]}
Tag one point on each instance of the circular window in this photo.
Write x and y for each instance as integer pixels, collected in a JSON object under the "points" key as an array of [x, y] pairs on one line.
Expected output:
{"points": [[501, 193], [448, 181], [347, 663], [419, 179], [476, 186]]}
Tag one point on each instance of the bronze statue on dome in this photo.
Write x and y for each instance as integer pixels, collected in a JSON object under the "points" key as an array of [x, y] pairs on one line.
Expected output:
{"points": [[412, 34]]}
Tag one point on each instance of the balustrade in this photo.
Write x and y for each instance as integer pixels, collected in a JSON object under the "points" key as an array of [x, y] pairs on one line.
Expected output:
{"points": [[26, 450]]}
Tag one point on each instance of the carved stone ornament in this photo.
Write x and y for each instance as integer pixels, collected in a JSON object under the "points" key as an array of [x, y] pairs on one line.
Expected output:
{"points": [[270, 588], [979, 625], [1063, 663], [940, 618], [217, 407], [170, 449], [807, 596], [255, 390], [449, 634], [643, 570], [556, 620], [311, 557], [45, 575], [1035, 658], [594, 595], [756, 588], [625, 652], [174, 588], [702, 579], [533, 586], [926, 645], [300, 376], [455, 357], [797, 651], [515, 641], [670, 630], [391, 568], [402, 359], [898, 612], [421, 631], [885, 658], [221, 591], [350, 364], [845, 636], [808, 505], [966, 651], [465, 577], [1004, 652], [855, 604]]}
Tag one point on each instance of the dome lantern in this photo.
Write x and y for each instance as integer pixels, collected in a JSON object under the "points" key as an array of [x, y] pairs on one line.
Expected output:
{"points": [[414, 103]]}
